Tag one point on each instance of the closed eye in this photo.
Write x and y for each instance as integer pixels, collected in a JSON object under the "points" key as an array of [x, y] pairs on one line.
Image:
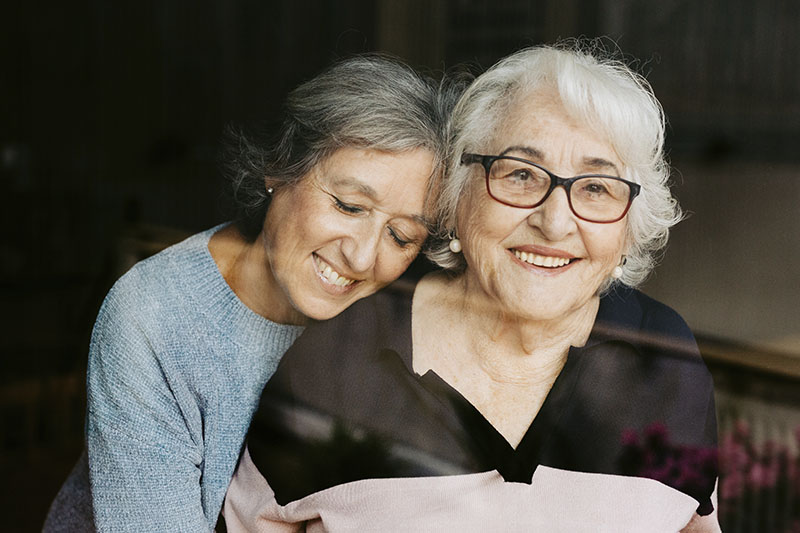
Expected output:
{"points": [[398, 239], [346, 208]]}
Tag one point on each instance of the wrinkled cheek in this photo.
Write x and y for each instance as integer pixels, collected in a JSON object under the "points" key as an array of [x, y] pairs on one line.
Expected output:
{"points": [[471, 213], [481, 261], [474, 233], [469, 247]]}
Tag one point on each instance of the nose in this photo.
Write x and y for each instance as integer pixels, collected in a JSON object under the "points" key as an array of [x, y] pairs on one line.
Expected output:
{"points": [[360, 248], [554, 218]]}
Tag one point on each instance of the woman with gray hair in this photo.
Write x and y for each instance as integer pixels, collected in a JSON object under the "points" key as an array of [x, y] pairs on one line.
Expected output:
{"points": [[333, 210], [529, 386]]}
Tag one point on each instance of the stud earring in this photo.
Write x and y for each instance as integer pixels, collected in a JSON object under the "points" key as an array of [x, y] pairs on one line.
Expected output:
{"points": [[617, 272], [455, 245], [270, 190]]}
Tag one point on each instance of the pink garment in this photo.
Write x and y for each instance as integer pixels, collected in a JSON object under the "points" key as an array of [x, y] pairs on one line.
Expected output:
{"points": [[557, 500]]}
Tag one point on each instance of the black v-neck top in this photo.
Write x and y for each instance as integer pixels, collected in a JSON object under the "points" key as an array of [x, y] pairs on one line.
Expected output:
{"points": [[345, 405]]}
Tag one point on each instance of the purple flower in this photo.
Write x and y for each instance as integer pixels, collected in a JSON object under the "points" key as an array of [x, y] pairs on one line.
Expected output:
{"points": [[733, 455], [630, 438], [686, 468], [763, 476], [759, 478], [656, 436], [732, 486]]}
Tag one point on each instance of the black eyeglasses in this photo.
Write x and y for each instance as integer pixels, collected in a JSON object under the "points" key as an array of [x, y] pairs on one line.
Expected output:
{"points": [[521, 183]]}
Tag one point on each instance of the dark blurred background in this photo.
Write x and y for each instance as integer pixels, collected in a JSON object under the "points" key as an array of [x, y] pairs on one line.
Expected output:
{"points": [[111, 115]]}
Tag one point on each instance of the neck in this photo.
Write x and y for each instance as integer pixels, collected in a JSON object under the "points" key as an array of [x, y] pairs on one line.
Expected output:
{"points": [[517, 349], [246, 267]]}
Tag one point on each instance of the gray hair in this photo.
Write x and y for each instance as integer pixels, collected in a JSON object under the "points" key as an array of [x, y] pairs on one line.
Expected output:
{"points": [[599, 91], [368, 101]]}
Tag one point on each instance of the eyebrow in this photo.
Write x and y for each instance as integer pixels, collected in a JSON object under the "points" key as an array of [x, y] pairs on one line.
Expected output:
{"points": [[599, 163], [527, 150], [358, 186], [362, 188], [595, 163]]}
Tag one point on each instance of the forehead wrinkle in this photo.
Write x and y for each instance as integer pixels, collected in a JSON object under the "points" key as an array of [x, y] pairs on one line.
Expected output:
{"points": [[594, 163]]}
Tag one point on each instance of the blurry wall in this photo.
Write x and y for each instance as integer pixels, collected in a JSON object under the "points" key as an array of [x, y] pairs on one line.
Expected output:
{"points": [[111, 115], [728, 75], [733, 267]]}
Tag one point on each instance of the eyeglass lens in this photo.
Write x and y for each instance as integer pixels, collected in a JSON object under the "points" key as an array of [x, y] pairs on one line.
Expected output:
{"points": [[593, 197]]}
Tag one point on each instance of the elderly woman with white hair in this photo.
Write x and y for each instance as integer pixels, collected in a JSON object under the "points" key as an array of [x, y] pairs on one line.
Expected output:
{"points": [[528, 386]]}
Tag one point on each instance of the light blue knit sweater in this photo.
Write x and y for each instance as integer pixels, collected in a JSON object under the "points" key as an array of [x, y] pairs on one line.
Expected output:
{"points": [[176, 367]]}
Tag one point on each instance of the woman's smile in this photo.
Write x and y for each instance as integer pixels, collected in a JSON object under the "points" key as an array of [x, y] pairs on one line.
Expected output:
{"points": [[332, 280], [551, 260]]}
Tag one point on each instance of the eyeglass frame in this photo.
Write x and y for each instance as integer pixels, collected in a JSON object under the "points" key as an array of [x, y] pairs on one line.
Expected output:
{"points": [[555, 181]]}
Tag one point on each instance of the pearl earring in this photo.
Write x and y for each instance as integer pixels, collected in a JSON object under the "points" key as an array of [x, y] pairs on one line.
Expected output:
{"points": [[617, 272], [270, 190], [455, 246]]}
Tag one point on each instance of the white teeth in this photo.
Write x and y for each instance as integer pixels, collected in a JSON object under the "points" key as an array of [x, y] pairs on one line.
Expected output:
{"points": [[331, 275], [546, 261]]}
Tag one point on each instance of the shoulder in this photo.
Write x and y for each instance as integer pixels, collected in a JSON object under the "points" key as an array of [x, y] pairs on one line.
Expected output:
{"points": [[647, 368], [189, 257], [660, 318], [334, 351], [367, 322], [668, 352], [632, 310], [160, 281], [149, 308], [380, 310]]}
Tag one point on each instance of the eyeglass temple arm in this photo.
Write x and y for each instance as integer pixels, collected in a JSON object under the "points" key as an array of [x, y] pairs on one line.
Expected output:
{"points": [[468, 159]]}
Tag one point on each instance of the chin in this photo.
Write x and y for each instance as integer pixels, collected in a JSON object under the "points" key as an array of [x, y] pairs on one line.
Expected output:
{"points": [[318, 313], [324, 310]]}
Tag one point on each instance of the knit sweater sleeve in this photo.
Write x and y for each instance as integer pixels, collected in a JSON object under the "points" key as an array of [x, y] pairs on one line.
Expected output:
{"points": [[145, 453]]}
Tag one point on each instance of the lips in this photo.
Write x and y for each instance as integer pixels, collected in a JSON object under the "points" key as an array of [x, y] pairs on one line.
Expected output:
{"points": [[545, 261], [329, 275]]}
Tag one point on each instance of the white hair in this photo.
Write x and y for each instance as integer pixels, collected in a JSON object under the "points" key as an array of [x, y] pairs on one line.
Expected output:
{"points": [[598, 91]]}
